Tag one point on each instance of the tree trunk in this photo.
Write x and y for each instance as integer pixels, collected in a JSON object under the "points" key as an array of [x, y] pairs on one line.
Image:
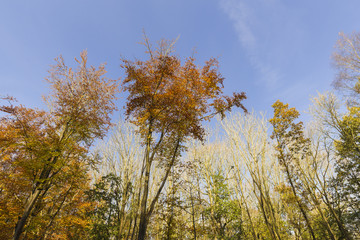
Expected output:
{"points": [[144, 214], [28, 208], [143, 206], [193, 213], [302, 210], [33, 198], [338, 221]]}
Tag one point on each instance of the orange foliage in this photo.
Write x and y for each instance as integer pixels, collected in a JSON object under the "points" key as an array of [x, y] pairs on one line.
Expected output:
{"points": [[44, 154], [173, 97], [172, 100]]}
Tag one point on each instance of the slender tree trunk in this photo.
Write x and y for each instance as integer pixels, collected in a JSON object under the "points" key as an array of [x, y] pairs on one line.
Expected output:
{"points": [[133, 234], [34, 197], [242, 198], [143, 206], [272, 211], [28, 208], [121, 233], [317, 205], [129, 229], [338, 221], [193, 213], [264, 212], [145, 214], [326, 200], [138, 202], [302, 210], [253, 232], [169, 223], [144, 199], [45, 234]]}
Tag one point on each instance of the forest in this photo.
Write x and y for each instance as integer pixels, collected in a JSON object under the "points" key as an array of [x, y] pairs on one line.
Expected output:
{"points": [[184, 161]]}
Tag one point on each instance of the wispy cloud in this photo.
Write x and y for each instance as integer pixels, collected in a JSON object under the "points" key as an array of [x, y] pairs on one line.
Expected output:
{"points": [[244, 18], [241, 15]]}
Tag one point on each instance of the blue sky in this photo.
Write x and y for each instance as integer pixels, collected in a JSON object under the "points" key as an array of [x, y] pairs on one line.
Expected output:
{"points": [[271, 49]]}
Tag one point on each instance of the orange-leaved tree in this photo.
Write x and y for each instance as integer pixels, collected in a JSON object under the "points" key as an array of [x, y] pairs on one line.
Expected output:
{"points": [[168, 101], [37, 148]]}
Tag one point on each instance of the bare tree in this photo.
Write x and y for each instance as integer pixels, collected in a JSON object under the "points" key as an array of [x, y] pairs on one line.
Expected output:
{"points": [[346, 59]]}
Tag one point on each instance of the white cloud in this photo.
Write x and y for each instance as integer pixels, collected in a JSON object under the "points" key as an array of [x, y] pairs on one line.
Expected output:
{"points": [[241, 15], [244, 18]]}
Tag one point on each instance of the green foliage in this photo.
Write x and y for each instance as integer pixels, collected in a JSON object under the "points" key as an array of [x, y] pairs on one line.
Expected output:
{"points": [[107, 195], [347, 180], [223, 212]]}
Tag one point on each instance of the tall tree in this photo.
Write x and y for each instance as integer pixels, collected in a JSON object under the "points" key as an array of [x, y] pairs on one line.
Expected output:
{"points": [[249, 143], [291, 147], [122, 155], [169, 101], [347, 61], [347, 170], [39, 145], [333, 126]]}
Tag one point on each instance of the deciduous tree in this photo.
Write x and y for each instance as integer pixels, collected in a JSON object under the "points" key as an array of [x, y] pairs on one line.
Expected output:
{"points": [[36, 145], [168, 101], [291, 146]]}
